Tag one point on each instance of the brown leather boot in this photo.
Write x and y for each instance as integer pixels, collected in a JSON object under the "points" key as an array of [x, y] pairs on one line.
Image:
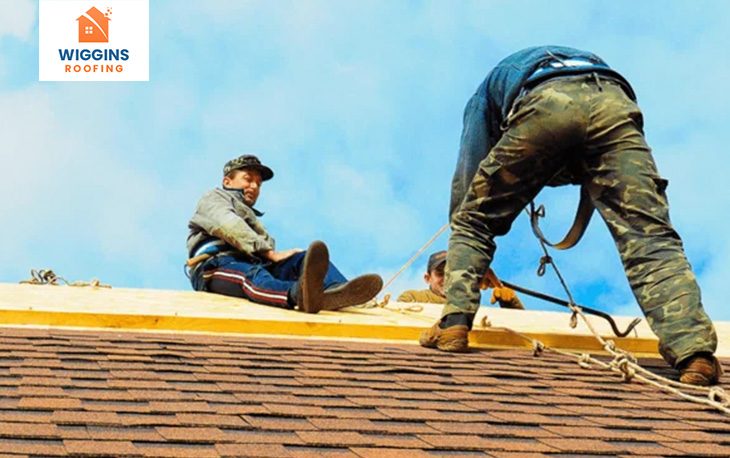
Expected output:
{"points": [[701, 369], [310, 296], [452, 339], [354, 292]]}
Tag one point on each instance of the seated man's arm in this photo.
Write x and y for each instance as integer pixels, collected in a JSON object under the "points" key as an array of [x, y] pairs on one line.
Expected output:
{"points": [[215, 215]]}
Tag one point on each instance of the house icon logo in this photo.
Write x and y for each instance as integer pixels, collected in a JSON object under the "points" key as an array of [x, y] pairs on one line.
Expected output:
{"points": [[94, 26]]}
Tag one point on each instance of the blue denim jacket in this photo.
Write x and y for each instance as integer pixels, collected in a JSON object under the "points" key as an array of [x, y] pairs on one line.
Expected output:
{"points": [[489, 107]]}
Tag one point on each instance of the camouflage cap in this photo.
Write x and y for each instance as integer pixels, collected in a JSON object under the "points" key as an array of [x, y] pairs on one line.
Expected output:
{"points": [[248, 161], [435, 260]]}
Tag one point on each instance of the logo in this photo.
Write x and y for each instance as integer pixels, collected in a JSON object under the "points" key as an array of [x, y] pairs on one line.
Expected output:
{"points": [[94, 26], [92, 47]]}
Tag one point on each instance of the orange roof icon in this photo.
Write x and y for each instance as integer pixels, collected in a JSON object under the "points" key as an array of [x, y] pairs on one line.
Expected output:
{"points": [[93, 27]]}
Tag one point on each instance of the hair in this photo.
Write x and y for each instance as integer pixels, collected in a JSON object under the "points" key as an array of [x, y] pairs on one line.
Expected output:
{"points": [[232, 174]]}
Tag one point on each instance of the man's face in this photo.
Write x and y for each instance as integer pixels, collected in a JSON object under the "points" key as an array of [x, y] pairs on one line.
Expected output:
{"points": [[435, 280], [248, 181]]}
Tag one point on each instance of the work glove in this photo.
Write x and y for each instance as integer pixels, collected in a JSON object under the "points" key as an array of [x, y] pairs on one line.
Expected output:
{"points": [[505, 296]]}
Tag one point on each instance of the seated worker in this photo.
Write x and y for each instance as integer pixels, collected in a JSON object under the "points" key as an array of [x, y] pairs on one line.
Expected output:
{"points": [[231, 253], [435, 293]]}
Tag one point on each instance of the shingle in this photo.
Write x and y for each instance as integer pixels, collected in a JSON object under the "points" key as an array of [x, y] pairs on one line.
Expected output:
{"points": [[161, 395], [492, 430], [583, 445], [700, 448], [36, 403], [484, 443], [333, 438], [252, 450], [295, 410], [367, 452], [25, 430], [28, 416], [400, 441], [101, 448], [538, 419], [162, 450], [198, 419], [603, 433], [191, 434], [278, 423], [134, 419], [33, 447], [73, 417], [179, 407], [137, 433], [261, 437]]}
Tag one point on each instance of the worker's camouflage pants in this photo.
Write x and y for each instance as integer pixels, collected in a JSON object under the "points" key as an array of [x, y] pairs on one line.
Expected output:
{"points": [[591, 124]]}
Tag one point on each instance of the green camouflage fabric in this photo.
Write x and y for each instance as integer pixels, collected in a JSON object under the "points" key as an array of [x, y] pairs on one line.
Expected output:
{"points": [[588, 125]]}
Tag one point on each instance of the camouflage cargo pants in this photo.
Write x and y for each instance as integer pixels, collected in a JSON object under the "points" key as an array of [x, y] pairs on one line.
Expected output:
{"points": [[591, 124]]}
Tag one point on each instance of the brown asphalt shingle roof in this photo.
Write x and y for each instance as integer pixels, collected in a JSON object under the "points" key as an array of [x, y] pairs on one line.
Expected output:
{"points": [[89, 393]]}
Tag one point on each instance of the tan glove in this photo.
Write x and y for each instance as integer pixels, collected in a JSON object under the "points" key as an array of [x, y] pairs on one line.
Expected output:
{"points": [[506, 297]]}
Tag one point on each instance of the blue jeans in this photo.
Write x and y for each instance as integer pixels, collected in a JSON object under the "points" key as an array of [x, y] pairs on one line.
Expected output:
{"points": [[263, 282]]}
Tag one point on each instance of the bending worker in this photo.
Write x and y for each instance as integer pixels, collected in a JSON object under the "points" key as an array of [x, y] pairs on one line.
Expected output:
{"points": [[552, 115]]}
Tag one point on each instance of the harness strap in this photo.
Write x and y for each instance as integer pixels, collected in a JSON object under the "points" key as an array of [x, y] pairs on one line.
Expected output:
{"points": [[580, 224]]}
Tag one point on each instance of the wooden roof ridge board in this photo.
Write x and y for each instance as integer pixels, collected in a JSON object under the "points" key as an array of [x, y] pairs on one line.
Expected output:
{"points": [[190, 311]]}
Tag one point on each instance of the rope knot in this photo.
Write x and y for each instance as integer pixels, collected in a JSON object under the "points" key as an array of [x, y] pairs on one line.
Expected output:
{"points": [[585, 361], [537, 348], [717, 394], [623, 364], [544, 261], [610, 346], [574, 320]]}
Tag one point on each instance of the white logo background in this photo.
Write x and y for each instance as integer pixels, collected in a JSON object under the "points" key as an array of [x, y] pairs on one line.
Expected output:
{"points": [[128, 29]]}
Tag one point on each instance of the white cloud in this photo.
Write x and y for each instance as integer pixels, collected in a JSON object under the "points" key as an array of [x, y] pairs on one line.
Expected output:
{"points": [[17, 18]]}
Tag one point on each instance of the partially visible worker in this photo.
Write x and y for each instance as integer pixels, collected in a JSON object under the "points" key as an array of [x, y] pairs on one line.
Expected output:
{"points": [[237, 256], [434, 278], [554, 115]]}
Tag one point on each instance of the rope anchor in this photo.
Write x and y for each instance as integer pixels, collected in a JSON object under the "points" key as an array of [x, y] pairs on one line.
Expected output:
{"points": [[48, 277]]}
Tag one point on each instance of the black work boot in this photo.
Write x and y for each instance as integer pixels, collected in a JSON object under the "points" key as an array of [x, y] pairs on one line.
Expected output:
{"points": [[311, 283], [354, 292]]}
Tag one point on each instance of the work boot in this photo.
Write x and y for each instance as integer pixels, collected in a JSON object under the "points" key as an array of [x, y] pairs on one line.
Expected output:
{"points": [[311, 283], [701, 369], [354, 292], [450, 333]]}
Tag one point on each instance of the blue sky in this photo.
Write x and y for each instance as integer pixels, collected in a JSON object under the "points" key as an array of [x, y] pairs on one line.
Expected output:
{"points": [[357, 107]]}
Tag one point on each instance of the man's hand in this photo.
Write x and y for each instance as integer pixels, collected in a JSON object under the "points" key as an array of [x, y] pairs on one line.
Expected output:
{"points": [[505, 296], [277, 256], [490, 280]]}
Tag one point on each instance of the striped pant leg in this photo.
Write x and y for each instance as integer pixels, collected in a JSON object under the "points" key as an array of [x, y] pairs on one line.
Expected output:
{"points": [[249, 281]]}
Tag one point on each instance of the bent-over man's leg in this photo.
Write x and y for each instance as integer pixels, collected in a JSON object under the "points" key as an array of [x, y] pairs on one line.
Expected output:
{"points": [[544, 127], [630, 195]]}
